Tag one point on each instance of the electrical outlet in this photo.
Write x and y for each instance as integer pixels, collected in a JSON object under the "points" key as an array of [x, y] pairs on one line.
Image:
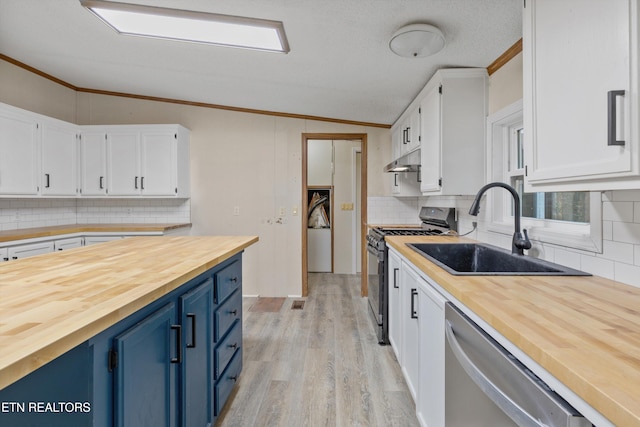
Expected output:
{"points": [[294, 211], [236, 210], [283, 211]]}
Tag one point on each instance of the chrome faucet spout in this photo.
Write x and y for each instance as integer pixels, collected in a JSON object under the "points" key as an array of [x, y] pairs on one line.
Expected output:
{"points": [[519, 242]]}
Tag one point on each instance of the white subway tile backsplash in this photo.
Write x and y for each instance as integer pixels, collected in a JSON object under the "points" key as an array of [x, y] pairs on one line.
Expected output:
{"points": [[629, 274], [598, 266], [617, 251], [30, 213], [617, 211], [626, 232]]}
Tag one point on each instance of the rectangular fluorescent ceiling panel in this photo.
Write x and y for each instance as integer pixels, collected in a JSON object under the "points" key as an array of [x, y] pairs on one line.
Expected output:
{"points": [[191, 26]]}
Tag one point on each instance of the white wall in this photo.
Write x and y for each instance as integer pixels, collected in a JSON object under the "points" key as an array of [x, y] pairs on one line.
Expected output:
{"points": [[237, 159]]}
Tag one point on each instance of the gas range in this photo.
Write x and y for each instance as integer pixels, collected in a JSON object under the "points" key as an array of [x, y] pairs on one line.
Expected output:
{"points": [[435, 221]]}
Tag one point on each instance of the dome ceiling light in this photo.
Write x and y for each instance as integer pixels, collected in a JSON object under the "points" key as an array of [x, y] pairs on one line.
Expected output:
{"points": [[417, 41]]}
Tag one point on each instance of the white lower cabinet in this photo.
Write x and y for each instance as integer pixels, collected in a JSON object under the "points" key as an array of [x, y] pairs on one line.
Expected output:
{"points": [[416, 334], [395, 326], [430, 404], [31, 249], [70, 243], [409, 280], [92, 240]]}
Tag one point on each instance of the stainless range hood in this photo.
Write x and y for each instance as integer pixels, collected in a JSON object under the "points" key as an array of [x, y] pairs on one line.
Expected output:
{"points": [[410, 162]]}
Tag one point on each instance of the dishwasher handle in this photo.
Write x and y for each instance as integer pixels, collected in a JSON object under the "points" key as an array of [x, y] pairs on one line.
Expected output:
{"points": [[493, 392]]}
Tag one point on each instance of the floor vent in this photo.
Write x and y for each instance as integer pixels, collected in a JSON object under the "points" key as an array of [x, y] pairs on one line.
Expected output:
{"points": [[297, 305]]}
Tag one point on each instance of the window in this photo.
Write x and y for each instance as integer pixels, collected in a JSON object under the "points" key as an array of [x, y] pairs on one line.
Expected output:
{"points": [[571, 219], [561, 206]]}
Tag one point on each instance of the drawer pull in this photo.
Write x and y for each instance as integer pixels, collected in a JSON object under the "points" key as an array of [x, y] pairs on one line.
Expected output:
{"points": [[233, 312], [234, 345], [178, 358], [192, 316], [234, 279], [234, 378]]}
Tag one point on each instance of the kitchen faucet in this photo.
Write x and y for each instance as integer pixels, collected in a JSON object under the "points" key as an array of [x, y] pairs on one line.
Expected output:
{"points": [[519, 242]]}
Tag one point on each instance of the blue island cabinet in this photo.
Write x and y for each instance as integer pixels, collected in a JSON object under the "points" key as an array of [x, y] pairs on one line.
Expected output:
{"points": [[173, 363]]}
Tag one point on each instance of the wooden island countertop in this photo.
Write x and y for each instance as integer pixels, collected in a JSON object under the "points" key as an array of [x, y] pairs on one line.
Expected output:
{"points": [[585, 331], [51, 303]]}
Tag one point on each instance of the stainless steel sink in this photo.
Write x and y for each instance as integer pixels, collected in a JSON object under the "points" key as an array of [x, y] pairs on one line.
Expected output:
{"points": [[479, 259]]}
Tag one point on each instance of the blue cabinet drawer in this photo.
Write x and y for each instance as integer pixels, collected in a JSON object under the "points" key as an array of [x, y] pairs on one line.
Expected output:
{"points": [[227, 381], [227, 280], [227, 347], [227, 314]]}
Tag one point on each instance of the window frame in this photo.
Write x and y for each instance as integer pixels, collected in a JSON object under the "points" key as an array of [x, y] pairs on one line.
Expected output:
{"points": [[498, 215]]}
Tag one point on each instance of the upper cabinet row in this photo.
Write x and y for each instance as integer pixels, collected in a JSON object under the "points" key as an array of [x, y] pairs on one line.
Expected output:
{"points": [[581, 109], [45, 157], [446, 121]]}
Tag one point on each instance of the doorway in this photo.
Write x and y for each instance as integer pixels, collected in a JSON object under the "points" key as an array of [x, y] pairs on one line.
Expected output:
{"points": [[360, 207]]}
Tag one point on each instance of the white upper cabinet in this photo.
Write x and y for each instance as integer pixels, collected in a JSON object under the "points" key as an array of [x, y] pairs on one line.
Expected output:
{"points": [[123, 162], [408, 133], [581, 109], [44, 157], [19, 139], [59, 175], [93, 152], [148, 161], [454, 108]]}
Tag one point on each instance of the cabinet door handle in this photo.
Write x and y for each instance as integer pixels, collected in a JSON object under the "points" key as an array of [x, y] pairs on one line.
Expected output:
{"points": [[409, 134], [395, 179], [135, 185], [414, 313], [101, 182], [233, 312], [233, 346], [47, 180], [142, 183], [395, 278], [612, 117], [178, 358], [192, 316], [234, 279]]}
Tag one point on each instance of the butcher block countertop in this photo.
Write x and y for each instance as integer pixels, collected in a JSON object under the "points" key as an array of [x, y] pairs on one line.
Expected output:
{"points": [[51, 303], [57, 230], [585, 331]]}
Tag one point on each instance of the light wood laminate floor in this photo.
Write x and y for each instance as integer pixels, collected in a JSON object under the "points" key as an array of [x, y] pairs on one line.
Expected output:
{"points": [[319, 366]]}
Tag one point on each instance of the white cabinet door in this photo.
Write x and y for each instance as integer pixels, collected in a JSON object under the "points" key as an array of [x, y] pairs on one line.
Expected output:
{"points": [[19, 136], [453, 117], [394, 316], [93, 240], [413, 133], [93, 151], [575, 53], [123, 162], [59, 159], [70, 243], [430, 151], [30, 249], [410, 332], [148, 161], [158, 163], [430, 404]]}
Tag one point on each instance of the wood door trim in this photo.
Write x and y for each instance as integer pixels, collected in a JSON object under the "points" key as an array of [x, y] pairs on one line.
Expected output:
{"points": [[363, 204]]}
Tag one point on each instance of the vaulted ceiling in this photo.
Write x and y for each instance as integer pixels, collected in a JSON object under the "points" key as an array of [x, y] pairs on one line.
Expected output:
{"points": [[339, 66]]}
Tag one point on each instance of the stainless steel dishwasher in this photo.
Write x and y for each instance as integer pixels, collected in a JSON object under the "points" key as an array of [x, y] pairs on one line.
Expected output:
{"points": [[487, 386]]}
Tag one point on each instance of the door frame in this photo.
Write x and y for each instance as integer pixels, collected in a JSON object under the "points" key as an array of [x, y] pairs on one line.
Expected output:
{"points": [[363, 204]]}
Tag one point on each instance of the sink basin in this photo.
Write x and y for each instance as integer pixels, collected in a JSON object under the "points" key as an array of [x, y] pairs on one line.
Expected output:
{"points": [[479, 259]]}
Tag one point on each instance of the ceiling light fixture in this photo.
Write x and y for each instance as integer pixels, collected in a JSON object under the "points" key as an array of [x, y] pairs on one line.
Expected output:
{"points": [[191, 26], [417, 41]]}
